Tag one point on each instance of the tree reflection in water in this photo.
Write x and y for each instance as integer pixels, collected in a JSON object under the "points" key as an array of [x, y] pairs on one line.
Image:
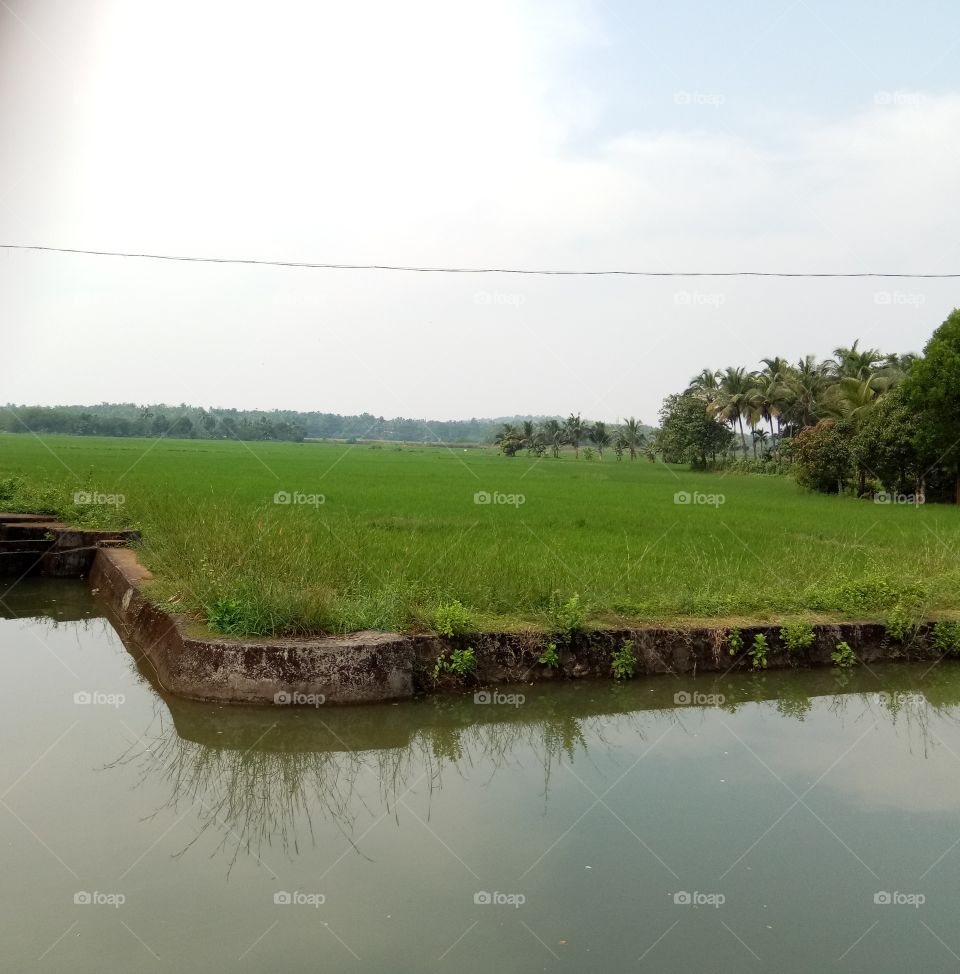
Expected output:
{"points": [[263, 777]]}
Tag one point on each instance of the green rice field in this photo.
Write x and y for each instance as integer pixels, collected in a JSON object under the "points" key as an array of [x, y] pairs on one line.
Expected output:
{"points": [[324, 537]]}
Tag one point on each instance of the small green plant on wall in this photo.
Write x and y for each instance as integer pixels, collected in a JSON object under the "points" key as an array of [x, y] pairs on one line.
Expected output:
{"points": [[900, 624], [734, 642], [758, 651], [946, 637], [567, 616], [549, 657], [453, 619], [843, 656], [797, 636], [460, 662], [622, 662]]}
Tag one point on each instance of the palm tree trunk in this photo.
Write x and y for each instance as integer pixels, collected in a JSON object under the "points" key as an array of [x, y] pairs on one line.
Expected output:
{"points": [[743, 436]]}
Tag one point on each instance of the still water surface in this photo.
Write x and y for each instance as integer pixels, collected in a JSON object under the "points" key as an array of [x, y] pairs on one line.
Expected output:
{"points": [[589, 828]]}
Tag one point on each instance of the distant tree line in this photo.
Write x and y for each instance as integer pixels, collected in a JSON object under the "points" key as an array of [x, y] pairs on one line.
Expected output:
{"points": [[862, 421], [192, 422], [629, 438]]}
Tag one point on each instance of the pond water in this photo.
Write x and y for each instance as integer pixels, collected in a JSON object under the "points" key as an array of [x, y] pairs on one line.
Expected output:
{"points": [[796, 821]]}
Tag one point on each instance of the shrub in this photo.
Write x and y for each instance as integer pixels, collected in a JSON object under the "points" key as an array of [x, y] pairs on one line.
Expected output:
{"points": [[868, 593], [899, 623], [238, 616], [946, 637], [453, 619], [758, 651], [821, 456], [843, 655], [735, 641], [797, 636], [549, 657], [623, 662], [566, 617], [461, 662]]}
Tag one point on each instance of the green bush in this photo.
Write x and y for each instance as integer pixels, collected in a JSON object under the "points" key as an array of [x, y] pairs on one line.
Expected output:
{"points": [[734, 641], [946, 637], [566, 616], [758, 651], [900, 623], [843, 655], [797, 636], [868, 593], [549, 657], [623, 662], [461, 662], [453, 619]]}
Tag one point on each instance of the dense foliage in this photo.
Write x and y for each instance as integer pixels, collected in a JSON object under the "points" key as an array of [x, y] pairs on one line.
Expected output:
{"points": [[191, 422], [863, 421]]}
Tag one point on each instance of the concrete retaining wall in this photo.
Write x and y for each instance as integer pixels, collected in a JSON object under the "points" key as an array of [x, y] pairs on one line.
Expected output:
{"points": [[377, 666]]}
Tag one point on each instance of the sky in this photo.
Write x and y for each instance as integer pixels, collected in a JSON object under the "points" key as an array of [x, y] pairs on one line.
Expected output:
{"points": [[796, 136]]}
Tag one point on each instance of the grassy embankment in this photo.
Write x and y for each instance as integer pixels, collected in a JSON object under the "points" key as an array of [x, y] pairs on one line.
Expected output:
{"points": [[399, 534]]}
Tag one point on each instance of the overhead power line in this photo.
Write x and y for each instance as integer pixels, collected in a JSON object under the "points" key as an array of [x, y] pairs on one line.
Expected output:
{"points": [[465, 270]]}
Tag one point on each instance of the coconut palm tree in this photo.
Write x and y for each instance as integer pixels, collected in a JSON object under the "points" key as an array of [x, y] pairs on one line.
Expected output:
{"points": [[733, 401], [553, 435], [633, 436], [854, 362], [575, 430], [761, 437], [600, 436]]}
